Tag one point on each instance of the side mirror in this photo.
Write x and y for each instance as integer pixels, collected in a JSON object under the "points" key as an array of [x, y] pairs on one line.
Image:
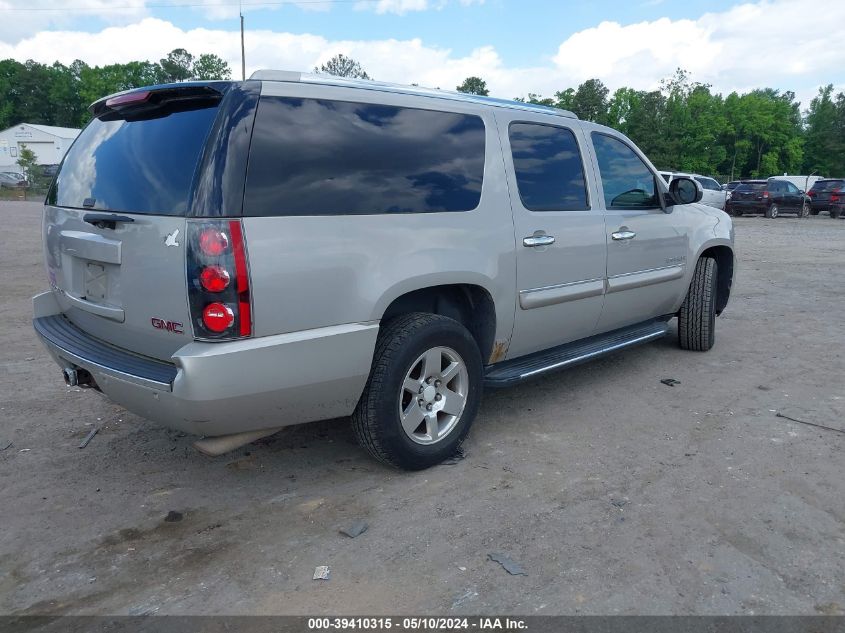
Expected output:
{"points": [[685, 190]]}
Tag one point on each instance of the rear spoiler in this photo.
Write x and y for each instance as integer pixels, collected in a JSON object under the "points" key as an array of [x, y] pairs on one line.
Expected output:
{"points": [[158, 100]]}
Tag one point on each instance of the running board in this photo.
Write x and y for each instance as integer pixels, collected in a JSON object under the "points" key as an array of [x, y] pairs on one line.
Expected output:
{"points": [[514, 371]]}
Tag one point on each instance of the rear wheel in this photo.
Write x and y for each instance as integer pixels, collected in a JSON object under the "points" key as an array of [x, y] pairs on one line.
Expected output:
{"points": [[772, 211], [835, 213], [422, 394], [697, 316]]}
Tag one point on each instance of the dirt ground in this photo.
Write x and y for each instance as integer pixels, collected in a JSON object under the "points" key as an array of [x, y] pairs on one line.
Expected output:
{"points": [[616, 493]]}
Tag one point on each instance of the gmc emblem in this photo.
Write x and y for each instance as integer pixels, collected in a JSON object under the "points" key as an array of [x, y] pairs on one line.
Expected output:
{"points": [[170, 326]]}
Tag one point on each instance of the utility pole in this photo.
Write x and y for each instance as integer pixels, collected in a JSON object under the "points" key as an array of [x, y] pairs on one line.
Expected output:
{"points": [[243, 57]]}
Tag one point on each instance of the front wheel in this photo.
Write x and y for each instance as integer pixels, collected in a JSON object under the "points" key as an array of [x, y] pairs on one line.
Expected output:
{"points": [[804, 211], [422, 394], [772, 211], [697, 317]]}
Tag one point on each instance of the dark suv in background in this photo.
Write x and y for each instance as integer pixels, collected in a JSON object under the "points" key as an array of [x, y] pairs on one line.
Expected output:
{"points": [[769, 197], [828, 195]]}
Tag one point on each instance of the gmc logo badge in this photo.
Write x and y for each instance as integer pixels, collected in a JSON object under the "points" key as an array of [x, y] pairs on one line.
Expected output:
{"points": [[170, 326]]}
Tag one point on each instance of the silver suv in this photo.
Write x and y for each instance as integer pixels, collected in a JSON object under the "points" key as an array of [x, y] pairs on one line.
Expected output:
{"points": [[229, 258]]}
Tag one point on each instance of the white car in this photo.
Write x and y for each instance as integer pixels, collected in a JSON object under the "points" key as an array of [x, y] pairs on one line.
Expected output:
{"points": [[714, 195]]}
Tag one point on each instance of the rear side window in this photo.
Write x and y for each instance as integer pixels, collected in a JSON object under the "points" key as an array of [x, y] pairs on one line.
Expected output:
{"points": [[320, 157], [627, 182], [140, 166], [751, 186], [548, 167], [708, 183]]}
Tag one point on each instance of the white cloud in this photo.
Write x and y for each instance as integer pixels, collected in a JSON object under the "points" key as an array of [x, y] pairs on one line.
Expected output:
{"points": [[771, 43], [401, 7]]}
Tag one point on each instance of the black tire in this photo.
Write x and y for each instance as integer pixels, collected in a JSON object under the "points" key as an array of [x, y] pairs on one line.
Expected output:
{"points": [[835, 213], [772, 211], [376, 419], [697, 316]]}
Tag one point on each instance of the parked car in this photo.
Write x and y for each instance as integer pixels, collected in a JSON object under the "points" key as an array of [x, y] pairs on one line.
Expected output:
{"points": [[229, 258], [49, 170], [11, 182], [828, 195], [18, 175], [770, 197], [728, 188], [713, 196]]}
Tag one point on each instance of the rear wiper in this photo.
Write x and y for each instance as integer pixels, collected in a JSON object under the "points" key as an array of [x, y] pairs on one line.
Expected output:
{"points": [[106, 220]]}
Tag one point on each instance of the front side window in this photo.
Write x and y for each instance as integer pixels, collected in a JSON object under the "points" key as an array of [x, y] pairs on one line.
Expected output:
{"points": [[627, 182], [321, 157], [548, 167]]}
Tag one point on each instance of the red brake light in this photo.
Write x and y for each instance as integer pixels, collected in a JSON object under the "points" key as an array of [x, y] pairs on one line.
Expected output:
{"points": [[241, 278], [128, 99], [765, 194], [218, 317], [213, 242], [214, 278]]}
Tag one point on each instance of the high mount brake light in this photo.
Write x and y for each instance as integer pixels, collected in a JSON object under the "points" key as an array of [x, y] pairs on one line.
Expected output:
{"points": [[130, 98], [218, 280]]}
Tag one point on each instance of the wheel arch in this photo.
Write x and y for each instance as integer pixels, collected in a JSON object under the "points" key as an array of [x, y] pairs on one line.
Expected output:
{"points": [[471, 304], [723, 253]]}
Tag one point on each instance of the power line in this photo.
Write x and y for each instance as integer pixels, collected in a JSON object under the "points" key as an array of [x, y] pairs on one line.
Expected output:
{"points": [[185, 5]]}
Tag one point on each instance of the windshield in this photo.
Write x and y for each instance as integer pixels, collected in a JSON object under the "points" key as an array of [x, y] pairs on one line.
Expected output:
{"points": [[142, 165]]}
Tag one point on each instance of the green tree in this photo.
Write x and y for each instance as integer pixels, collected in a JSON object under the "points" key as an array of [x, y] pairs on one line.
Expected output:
{"points": [[210, 66], [474, 86], [177, 66], [27, 161], [822, 142], [342, 66], [590, 101]]}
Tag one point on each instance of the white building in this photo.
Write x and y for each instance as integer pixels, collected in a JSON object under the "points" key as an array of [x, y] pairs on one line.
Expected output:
{"points": [[48, 142]]}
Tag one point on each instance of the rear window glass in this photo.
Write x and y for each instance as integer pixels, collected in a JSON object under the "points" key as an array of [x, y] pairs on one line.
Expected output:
{"points": [[549, 171], [320, 157], [751, 186], [828, 185], [142, 166]]}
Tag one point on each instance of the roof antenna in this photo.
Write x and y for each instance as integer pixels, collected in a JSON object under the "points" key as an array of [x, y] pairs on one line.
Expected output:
{"points": [[243, 57]]}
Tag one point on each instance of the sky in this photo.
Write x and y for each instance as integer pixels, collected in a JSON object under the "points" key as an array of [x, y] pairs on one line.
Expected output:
{"points": [[516, 46]]}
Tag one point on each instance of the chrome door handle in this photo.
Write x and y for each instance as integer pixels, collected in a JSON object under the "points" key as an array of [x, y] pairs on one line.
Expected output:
{"points": [[623, 235], [538, 240]]}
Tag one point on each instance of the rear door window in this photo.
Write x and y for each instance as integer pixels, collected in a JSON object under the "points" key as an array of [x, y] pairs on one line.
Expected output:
{"points": [[137, 166], [321, 157], [548, 166], [627, 182]]}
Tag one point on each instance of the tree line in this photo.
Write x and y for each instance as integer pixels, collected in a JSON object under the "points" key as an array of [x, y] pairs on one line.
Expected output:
{"points": [[60, 95], [683, 125]]}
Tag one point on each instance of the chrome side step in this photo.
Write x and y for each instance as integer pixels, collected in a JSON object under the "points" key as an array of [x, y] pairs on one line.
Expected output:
{"points": [[526, 367]]}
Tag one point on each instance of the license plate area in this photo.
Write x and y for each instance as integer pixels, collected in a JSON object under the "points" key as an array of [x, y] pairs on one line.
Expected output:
{"points": [[96, 282]]}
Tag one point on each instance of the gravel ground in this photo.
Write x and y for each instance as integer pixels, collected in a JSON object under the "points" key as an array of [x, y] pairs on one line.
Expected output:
{"points": [[616, 493]]}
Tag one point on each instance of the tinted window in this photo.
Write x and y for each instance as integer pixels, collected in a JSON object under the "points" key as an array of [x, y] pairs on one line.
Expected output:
{"points": [[316, 157], [627, 182], [144, 166], [828, 185], [708, 183], [548, 167], [751, 186]]}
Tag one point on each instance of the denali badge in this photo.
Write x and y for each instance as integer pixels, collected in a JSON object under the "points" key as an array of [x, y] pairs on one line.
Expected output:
{"points": [[170, 240], [170, 326]]}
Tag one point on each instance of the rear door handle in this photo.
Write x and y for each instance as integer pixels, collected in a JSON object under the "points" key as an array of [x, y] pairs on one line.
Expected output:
{"points": [[623, 235], [538, 240]]}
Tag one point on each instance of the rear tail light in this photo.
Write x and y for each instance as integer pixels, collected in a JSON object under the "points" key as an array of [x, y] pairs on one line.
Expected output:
{"points": [[218, 280], [765, 195], [834, 197]]}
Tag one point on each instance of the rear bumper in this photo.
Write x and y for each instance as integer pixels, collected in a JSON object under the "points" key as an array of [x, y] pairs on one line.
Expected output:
{"points": [[221, 388]]}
